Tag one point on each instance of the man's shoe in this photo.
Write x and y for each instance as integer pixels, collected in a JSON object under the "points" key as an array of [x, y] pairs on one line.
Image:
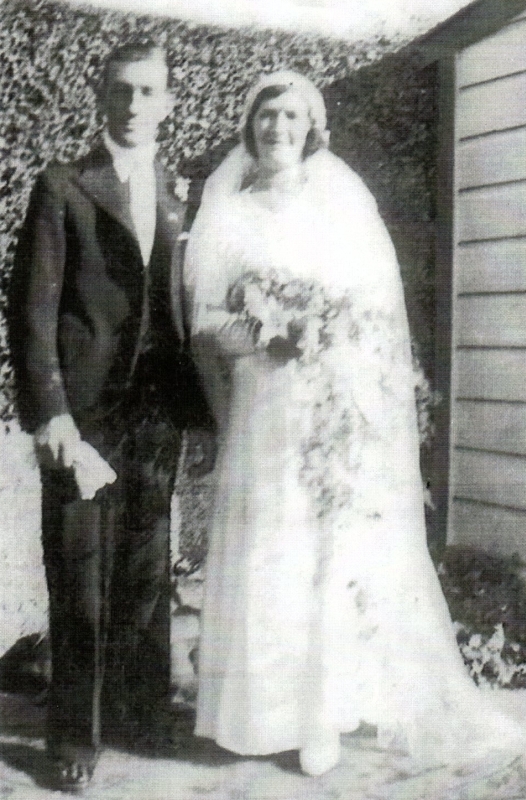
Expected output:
{"points": [[72, 776], [72, 767]]}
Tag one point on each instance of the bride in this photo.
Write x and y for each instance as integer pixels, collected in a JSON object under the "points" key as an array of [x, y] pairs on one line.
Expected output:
{"points": [[322, 607]]}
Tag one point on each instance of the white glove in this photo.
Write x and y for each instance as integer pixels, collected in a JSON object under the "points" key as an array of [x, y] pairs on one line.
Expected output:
{"points": [[63, 439], [92, 472], [61, 436]]}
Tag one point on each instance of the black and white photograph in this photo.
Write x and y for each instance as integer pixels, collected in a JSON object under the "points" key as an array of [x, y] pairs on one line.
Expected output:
{"points": [[263, 399]]}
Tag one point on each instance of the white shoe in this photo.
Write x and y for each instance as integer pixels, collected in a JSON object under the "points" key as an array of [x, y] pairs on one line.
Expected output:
{"points": [[321, 754]]}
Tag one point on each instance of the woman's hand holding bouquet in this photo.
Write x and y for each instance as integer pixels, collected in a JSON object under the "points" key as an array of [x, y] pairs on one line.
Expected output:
{"points": [[277, 313]]}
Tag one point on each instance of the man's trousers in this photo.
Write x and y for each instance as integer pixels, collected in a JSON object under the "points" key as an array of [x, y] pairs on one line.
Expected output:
{"points": [[107, 567]]}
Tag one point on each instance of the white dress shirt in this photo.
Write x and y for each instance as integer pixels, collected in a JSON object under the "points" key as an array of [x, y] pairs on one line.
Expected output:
{"points": [[135, 166]]}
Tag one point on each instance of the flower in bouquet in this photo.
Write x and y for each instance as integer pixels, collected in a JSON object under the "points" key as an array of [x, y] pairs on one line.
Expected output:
{"points": [[284, 308]]}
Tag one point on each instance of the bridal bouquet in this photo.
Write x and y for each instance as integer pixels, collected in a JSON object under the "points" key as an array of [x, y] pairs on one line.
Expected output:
{"points": [[292, 318], [297, 321]]}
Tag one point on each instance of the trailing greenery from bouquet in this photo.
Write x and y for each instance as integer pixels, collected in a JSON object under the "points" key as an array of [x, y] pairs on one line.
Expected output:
{"points": [[296, 322]]}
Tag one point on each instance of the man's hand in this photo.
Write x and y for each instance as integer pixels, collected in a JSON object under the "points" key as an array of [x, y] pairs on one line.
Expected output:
{"points": [[59, 441], [200, 452], [58, 438]]}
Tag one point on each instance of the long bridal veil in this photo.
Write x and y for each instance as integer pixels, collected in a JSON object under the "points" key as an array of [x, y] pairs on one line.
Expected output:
{"points": [[387, 653]]}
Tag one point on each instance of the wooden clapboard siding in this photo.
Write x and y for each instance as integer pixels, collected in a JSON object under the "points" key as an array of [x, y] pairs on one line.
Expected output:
{"points": [[499, 427], [488, 392], [495, 158], [492, 212], [497, 374], [494, 106], [492, 320], [491, 527], [498, 266], [490, 477], [495, 56]]}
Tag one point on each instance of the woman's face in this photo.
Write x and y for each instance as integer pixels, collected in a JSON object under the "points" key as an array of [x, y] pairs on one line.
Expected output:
{"points": [[281, 125]]}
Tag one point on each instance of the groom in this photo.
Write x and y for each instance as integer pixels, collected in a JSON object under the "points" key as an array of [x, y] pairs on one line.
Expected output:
{"points": [[106, 384]]}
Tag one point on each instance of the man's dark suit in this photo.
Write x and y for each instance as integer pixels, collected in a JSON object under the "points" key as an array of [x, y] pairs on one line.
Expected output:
{"points": [[95, 334]]}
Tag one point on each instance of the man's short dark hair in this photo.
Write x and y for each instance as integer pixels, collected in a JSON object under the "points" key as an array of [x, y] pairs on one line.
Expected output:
{"points": [[139, 49]]}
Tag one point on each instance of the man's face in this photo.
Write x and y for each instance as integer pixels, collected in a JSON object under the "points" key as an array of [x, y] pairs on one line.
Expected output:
{"points": [[135, 100]]}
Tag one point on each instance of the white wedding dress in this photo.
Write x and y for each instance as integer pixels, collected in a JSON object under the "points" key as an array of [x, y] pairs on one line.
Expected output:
{"points": [[311, 620]]}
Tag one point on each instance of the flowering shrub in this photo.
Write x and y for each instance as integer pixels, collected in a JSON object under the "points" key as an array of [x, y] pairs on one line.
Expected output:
{"points": [[492, 660], [486, 595]]}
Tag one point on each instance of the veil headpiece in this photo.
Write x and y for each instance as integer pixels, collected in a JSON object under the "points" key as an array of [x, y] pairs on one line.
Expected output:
{"points": [[298, 83], [232, 173]]}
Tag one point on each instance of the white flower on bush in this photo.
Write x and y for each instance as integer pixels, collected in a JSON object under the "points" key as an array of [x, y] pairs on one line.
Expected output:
{"points": [[480, 652], [181, 188]]}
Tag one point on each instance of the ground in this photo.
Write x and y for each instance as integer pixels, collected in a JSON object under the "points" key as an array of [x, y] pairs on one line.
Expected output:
{"points": [[199, 769]]}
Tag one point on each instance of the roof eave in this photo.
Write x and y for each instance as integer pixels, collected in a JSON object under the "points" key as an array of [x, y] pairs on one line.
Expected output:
{"points": [[472, 23]]}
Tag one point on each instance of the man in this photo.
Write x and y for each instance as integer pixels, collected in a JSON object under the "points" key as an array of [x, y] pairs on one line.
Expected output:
{"points": [[107, 385]]}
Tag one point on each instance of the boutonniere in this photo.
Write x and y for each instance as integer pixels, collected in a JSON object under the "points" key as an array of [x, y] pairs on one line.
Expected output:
{"points": [[181, 188]]}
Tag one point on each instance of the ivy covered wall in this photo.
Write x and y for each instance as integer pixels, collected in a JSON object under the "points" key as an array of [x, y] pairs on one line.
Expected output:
{"points": [[50, 62], [382, 115], [51, 55]]}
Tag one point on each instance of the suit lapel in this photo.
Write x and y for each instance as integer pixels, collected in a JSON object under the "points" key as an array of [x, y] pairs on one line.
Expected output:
{"points": [[170, 218], [99, 180]]}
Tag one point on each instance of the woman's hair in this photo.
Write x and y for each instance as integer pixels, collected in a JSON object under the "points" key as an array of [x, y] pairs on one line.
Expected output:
{"points": [[313, 142]]}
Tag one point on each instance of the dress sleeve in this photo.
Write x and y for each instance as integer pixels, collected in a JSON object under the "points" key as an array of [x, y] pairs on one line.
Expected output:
{"points": [[208, 271], [205, 279]]}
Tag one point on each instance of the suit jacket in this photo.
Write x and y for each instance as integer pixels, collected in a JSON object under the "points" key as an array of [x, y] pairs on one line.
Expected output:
{"points": [[78, 290]]}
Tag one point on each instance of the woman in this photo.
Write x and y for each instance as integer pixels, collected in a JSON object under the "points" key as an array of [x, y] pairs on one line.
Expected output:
{"points": [[322, 607]]}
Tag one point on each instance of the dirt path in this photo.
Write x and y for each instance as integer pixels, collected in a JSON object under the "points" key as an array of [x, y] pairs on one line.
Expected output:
{"points": [[201, 771]]}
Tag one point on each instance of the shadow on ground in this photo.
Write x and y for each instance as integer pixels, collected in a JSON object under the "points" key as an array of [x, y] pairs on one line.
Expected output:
{"points": [[23, 730], [190, 768], [26, 758]]}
